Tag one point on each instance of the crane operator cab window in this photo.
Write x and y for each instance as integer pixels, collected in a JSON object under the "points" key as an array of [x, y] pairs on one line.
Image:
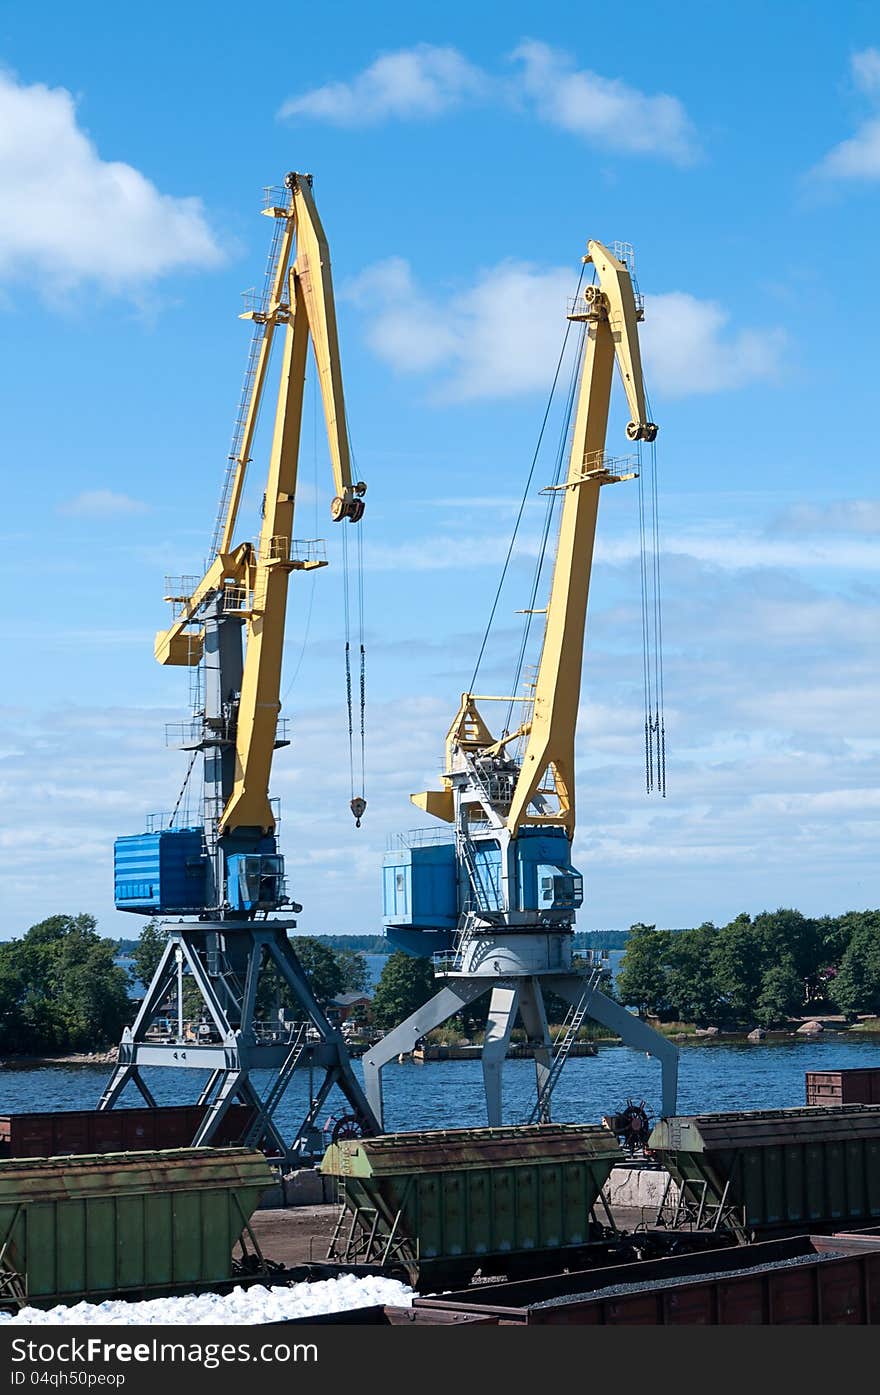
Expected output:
{"points": [[559, 890], [254, 881]]}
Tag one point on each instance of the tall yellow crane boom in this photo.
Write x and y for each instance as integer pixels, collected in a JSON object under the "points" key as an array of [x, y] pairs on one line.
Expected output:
{"points": [[610, 311], [252, 582]]}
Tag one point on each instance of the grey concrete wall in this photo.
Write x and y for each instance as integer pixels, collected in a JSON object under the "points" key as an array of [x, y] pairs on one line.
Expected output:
{"points": [[635, 1187]]}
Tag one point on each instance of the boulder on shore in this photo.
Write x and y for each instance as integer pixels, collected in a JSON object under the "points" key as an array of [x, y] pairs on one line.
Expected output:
{"points": [[757, 1035], [810, 1029]]}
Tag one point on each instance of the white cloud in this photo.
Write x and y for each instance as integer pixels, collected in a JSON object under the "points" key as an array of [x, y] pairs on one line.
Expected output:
{"points": [[605, 110], [102, 503], [501, 336], [689, 347], [428, 80], [423, 81], [866, 69], [835, 516], [858, 157], [497, 338], [69, 217]]}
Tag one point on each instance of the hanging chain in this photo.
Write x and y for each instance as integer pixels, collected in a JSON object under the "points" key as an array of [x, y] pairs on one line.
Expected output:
{"points": [[358, 802], [652, 629]]}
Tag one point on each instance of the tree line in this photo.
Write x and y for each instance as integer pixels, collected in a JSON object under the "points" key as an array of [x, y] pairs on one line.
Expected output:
{"points": [[61, 990], [755, 971]]}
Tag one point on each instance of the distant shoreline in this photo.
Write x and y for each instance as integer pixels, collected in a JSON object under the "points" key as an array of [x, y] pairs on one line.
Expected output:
{"points": [[829, 1034], [76, 1058]]}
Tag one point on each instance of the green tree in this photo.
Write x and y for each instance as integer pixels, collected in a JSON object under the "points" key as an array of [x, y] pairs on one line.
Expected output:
{"points": [[355, 971], [781, 995], [320, 965], [147, 952], [856, 987], [738, 967], [60, 989], [690, 984], [404, 985], [642, 979]]}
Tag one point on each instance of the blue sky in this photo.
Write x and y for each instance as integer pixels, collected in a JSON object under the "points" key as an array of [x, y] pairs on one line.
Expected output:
{"points": [[462, 157]]}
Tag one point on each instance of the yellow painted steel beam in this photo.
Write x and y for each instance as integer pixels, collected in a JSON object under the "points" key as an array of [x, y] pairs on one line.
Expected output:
{"points": [[260, 704], [315, 286], [276, 301], [178, 644], [612, 333]]}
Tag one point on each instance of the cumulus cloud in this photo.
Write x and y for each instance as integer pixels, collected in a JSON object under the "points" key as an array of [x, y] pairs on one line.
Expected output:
{"points": [[102, 503], [603, 109], [501, 335], [858, 157], [418, 82], [69, 217], [428, 80], [496, 338], [689, 347]]}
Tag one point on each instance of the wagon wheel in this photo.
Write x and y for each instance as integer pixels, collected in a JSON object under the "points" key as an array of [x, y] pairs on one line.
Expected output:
{"points": [[347, 1126]]}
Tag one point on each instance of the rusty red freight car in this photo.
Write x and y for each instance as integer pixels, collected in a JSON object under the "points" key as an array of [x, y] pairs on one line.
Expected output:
{"points": [[87, 1131], [807, 1280]]}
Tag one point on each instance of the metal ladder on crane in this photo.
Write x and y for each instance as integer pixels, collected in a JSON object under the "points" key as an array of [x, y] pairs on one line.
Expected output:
{"points": [[572, 1025], [279, 1085]]}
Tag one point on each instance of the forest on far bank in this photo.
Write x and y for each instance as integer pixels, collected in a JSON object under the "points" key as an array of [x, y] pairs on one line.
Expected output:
{"points": [[62, 991], [754, 971]]}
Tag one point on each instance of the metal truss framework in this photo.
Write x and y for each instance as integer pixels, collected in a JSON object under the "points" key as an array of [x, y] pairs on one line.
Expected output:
{"points": [[239, 1044]]}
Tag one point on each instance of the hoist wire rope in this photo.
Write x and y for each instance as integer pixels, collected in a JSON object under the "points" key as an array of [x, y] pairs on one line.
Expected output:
{"points": [[652, 622], [525, 496], [183, 789], [347, 604], [659, 695], [548, 520]]}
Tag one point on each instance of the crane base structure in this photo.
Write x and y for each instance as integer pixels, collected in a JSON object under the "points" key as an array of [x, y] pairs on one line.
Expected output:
{"points": [[224, 963], [504, 967]]}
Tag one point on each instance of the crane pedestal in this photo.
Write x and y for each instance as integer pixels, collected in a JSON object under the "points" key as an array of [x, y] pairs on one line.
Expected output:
{"points": [[224, 961], [506, 967]]}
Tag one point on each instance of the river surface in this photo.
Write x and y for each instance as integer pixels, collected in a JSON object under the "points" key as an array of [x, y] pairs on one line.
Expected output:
{"points": [[714, 1076]]}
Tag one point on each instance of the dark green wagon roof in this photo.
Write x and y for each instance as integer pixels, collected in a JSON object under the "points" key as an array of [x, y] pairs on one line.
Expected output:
{"points": [[767, 1128], [447, 1150], [114, 1174]]}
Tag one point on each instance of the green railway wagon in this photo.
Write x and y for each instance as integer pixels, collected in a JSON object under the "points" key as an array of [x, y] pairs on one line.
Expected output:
{"points": [[124, 1224], [766, 1172], [446, 1203]]}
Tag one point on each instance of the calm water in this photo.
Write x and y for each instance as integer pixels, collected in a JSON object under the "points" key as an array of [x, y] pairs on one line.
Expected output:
{"points": [[714, 1076]]}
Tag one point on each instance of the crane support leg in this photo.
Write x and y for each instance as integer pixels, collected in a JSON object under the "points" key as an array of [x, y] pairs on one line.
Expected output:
{"points": [[502, 1015], [632, 1032], [534, 1020], [403, 1039]]}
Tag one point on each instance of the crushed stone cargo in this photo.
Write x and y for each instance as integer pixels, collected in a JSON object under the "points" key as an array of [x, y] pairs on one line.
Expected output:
{"points": [[242, 1307]]}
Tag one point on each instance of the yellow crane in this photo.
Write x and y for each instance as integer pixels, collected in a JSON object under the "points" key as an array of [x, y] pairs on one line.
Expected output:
{"points": [[223, 877], [501, 893]]}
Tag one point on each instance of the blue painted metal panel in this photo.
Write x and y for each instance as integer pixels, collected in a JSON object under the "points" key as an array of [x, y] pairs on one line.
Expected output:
{"points": [[160, 873], [546, 880], [420, 943], [420, 888], [487, 862]]}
